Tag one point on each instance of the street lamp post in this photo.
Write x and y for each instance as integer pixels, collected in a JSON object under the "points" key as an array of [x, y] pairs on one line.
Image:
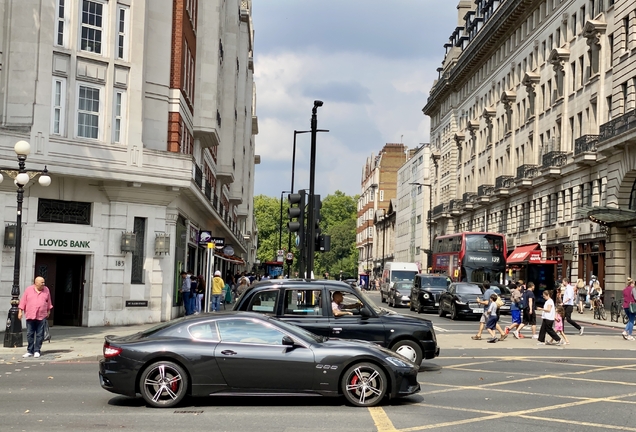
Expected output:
{"points": [[13, 332], [429, 255], [311, 217]]}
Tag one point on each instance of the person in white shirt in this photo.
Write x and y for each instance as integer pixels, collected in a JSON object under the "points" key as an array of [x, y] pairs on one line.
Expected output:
{"points": [[568, 304], [547, 320]]}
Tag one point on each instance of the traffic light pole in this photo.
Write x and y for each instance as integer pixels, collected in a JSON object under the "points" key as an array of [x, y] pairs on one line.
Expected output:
{"points": [[311, 217]]}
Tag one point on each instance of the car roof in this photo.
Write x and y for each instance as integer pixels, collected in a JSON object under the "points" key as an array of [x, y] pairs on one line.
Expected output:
{"points": [[308, 283]]}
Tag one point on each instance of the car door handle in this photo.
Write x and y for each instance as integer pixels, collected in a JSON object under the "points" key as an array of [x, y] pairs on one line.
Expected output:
{"points": [[336, 330], [228, 352]]}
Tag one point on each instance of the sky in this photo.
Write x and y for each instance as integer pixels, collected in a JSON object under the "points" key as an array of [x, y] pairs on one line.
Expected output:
{"points": [[372, 63]]}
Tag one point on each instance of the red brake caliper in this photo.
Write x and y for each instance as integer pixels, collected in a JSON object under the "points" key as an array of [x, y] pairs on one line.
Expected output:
{"points": [[173, 385], [354, 380]]}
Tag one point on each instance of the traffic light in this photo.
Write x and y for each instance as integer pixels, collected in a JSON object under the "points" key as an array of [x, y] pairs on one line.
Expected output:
{"points": [[322, 243], [296, 213]]}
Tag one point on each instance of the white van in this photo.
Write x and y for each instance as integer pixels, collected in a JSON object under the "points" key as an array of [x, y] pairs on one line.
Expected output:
{"points": [[396, 272]]}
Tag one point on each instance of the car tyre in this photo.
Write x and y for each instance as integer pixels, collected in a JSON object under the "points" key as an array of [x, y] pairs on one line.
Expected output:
{"points": [[382, 299], [163, 384], [409, 349], [420, 307], [411, 307], [453, 312], [441, 311], [364, 384]]}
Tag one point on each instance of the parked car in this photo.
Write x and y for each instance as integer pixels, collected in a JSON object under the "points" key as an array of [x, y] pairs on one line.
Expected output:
{"points": [[460, 300], [426, 291], [308, 304], [399, 294], [239, 353]]}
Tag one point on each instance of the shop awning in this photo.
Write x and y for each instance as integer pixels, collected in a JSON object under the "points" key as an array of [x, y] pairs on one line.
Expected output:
{"points": [[525, 254], [613, 217], [231, 258]]}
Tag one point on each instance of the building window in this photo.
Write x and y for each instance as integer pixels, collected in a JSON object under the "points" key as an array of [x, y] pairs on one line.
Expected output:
{"points": [[186, 139], [88, 112], [381, 195], [187, 81], [191, 8], [119, 111], [60, 22], [92, 26], [68, 212], [138, 258], [58, 106], [122, 32]]}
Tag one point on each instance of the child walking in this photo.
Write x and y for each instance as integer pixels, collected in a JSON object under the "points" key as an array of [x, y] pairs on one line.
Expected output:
{"points": [[558, 325], [491, 323]]}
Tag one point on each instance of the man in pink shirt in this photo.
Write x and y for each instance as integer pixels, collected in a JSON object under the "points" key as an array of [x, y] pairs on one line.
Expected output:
{"points": [[36, 306]]}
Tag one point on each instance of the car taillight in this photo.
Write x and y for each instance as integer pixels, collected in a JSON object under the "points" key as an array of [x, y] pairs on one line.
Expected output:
{"points": [[111, 351]]}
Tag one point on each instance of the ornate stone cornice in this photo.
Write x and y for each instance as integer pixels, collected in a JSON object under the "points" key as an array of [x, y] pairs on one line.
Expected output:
{"points": [[530, 80], [593, 30], [558, 59]]}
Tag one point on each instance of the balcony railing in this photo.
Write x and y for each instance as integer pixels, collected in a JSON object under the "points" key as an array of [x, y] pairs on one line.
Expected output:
{"points": [[527, 171], [455, 205], [215, 202], [485, 190], [586, 143], [198, 176], [554, 159], [438, 210], [208, 190], [468, 196], [617, 126], [504, 181]]}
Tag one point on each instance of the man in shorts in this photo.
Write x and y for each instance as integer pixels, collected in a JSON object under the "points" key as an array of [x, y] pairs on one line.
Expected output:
{"points": [[489, 291], [529, 313]]}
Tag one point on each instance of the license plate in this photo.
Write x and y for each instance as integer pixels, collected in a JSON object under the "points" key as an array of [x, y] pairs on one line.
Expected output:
{"points": [[436, 304], [477, 310]]}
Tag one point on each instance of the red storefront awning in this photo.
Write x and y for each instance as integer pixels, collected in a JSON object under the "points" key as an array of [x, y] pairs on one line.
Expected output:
{"points": [[528, 254], [525, 254]]}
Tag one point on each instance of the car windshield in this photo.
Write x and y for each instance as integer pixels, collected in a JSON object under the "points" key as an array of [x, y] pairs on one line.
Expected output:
{"points": [[402, 285], [434, 282], [469, 289], [299, 332], [159, 327], [402, 275], [369, 303]]}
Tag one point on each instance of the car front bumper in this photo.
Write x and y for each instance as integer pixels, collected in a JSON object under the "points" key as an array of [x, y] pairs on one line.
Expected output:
{"points": [[406, 382]]}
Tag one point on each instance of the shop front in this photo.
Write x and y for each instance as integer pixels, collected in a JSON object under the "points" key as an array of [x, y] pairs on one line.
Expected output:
{"points": [[526, 263]]}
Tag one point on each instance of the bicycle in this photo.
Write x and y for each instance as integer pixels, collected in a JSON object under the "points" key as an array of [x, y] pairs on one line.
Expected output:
{"points": [[599, 309], [616, 311]]}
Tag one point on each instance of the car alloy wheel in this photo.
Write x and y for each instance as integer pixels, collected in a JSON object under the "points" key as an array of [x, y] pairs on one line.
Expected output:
{"points": [[409, 349], [441, 310], [163, 384], [453, 312], [364, 384]]}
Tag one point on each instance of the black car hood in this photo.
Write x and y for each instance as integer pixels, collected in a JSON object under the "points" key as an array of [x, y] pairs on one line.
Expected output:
{"points": [[395, 318]]}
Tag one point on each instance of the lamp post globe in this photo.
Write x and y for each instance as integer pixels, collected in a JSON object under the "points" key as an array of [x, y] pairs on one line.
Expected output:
{"points": [[45, 179], [22, 179], [22, 148]]}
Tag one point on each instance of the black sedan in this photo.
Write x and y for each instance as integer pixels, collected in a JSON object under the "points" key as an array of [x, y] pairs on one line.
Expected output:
{"points": [[460, 300], [238, 354], [309, 304], [426, 291]]}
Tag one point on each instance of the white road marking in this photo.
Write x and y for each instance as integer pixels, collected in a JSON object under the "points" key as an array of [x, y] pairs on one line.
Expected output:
{"points": [[439, 329]]}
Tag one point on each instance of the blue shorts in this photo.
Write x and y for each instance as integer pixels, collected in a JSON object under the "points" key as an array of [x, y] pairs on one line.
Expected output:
{"points": [[492, 322], [516, 316]]}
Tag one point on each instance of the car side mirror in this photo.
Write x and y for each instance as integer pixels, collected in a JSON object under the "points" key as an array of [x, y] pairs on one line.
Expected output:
{"points": [[288, 341], [364, 312]]}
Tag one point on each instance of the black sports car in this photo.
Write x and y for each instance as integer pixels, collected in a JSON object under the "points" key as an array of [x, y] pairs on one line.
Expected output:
{"points": [[460, 300], [242, 353], [309, 304]]}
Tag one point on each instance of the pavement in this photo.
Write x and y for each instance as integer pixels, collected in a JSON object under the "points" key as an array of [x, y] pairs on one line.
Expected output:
{"points": [[86, 343]]}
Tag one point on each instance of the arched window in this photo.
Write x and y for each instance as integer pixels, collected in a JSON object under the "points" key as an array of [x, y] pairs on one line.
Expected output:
{"points": [[632, 197]]}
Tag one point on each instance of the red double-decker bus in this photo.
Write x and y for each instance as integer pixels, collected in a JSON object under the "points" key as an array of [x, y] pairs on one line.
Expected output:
{"points": [[471, 256]]}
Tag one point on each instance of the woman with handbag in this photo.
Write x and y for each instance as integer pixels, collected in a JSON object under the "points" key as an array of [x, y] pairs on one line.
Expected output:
{"points": [[581, 290], [629, 304]]}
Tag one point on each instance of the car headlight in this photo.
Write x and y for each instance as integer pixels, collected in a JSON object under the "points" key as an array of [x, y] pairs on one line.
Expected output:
{"points": [[459, 301], [398, 362], [426, 296], [397, 293]]}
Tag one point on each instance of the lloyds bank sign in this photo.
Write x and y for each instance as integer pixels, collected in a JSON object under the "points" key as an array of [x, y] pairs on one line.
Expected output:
{"points": [[76, 244]]}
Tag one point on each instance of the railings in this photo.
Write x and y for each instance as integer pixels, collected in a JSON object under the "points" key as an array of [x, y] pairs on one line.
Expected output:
{"points": [[468, 196], [485, 190], [438, 209], [198, 176], [554, 159], [208, 190], [527, 171], [617, 126], [504, 181], [586, 143]]}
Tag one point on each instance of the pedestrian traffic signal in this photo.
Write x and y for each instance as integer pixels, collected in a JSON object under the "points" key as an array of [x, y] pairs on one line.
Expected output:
{"points": [[296, 213]]}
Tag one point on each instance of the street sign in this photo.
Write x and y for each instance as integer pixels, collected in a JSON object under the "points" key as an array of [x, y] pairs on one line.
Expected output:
{"points": [[211, 245], [297, 241], [290, 256]]}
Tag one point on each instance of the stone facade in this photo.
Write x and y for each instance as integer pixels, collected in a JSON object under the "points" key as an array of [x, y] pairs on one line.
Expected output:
{"points": [[531, 130], [144, 114]]}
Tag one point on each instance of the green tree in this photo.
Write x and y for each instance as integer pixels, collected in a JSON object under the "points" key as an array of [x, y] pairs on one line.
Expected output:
{"points": [[267, 215]]}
